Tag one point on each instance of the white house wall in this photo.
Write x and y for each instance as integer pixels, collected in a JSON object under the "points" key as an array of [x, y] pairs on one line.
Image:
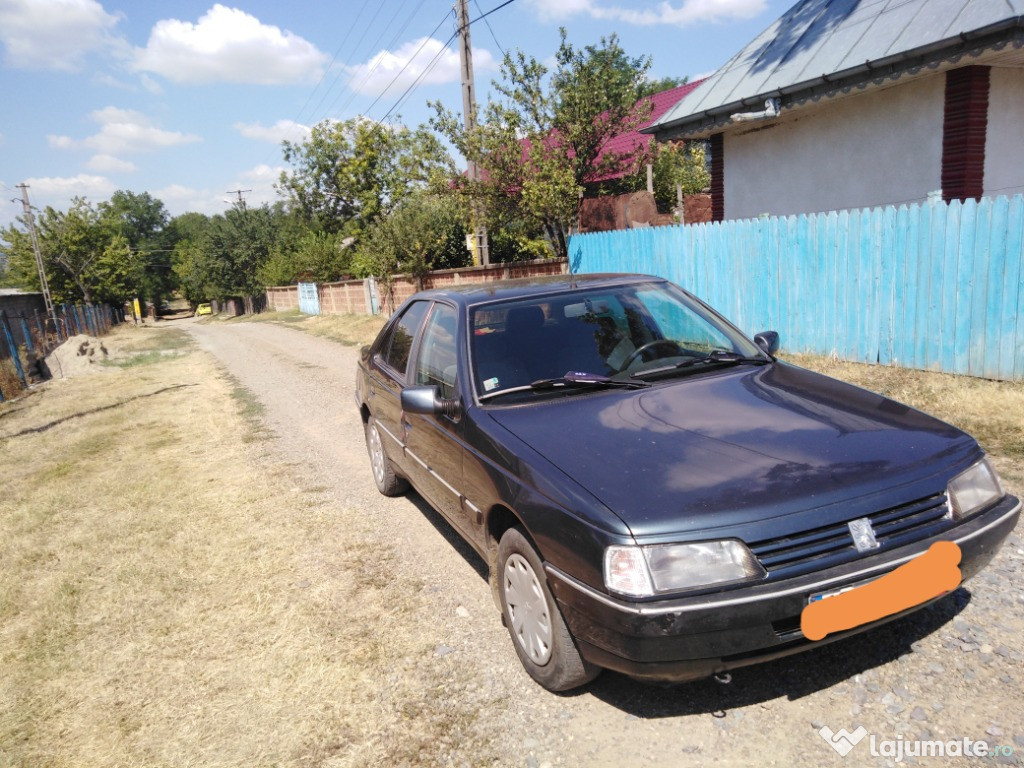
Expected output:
{"points": [[880, 147], [1004, 146]]}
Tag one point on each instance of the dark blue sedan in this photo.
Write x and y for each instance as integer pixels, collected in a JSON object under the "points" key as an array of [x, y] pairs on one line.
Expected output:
{"points": [[653, 492]]}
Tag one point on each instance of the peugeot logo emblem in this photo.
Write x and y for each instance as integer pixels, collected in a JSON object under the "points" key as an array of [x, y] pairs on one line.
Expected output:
{"points": [[863, 534]]}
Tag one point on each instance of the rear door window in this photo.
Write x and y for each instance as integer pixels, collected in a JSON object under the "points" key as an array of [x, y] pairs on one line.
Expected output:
{"points": [[396, 350]]}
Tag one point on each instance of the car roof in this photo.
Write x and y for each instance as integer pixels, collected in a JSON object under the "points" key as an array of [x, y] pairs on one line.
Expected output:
{"points": [[525, 287]]}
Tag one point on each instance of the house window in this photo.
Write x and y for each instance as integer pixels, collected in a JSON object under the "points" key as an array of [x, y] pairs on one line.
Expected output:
{"points": [[717, 177], [964, 129]]}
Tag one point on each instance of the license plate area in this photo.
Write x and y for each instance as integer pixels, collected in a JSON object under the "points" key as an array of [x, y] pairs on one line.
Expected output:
{"points": [[816, 596]]}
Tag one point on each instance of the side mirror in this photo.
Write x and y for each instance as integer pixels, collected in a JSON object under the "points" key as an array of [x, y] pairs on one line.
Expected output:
{"points": [[768, 341], [428, 401]]}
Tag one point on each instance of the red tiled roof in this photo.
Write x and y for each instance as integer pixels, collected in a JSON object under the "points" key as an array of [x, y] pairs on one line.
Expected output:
{"points": [[661, 103]]}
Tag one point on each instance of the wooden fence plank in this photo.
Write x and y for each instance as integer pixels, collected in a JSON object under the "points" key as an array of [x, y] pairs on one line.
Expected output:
{"points": [[933, 286]]}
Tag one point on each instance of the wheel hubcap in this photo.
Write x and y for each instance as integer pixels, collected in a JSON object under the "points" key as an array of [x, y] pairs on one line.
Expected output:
{"points": [[527, 609], [376, 455]]}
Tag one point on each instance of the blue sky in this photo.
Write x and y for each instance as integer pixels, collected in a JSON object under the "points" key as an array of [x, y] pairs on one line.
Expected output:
{"points": [[190, 100]]}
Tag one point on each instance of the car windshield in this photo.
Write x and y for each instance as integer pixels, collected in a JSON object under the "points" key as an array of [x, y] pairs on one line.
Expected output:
{"points": [[601, 335]]}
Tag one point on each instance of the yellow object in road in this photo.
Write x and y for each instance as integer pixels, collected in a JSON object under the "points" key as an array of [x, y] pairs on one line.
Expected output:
{"points": [[204, 309]]}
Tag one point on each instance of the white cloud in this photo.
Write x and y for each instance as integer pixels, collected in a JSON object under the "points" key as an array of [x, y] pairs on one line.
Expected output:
{"points": [[180, 199], [373, 76], [124, 131], [689, 12], [276, 133], [58, 191], [110, 164], [228, 45], [55, 34]]}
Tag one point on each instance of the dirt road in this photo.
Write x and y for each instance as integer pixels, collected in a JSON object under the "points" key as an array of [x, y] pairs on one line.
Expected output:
{"points": [[953, 671]]}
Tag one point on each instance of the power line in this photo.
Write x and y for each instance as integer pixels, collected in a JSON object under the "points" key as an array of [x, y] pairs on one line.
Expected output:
{"points": [[411, 60], [334, 58], [432, 63], [484, 17], [376, 64]]}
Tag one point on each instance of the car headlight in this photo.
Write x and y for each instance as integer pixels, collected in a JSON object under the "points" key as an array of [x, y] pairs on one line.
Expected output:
{"points": [[660, 568], [973, 490]]}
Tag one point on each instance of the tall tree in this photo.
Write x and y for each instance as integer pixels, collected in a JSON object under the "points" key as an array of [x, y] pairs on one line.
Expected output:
{"points": [[545, 138], [424, 232], [348, 174], [141, 220]]}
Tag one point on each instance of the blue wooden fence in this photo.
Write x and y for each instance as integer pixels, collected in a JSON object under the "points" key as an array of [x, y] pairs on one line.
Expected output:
{"points": [[933, 286]]}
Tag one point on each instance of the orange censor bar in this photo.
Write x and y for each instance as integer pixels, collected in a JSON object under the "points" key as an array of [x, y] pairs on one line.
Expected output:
{"points": [[925, 577]]}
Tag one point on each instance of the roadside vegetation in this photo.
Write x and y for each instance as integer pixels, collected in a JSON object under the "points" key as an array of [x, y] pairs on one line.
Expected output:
{"points": [[358, 198], [172, 596]]}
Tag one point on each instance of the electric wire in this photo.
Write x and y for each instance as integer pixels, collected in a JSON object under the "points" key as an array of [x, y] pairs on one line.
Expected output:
{"points": [[412, 58], [328, 69], [493, 36], [430, 66], [368, 51]]}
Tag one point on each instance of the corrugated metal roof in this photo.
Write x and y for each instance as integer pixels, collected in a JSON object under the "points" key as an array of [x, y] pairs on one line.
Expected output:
{"points": [[818, 38]]}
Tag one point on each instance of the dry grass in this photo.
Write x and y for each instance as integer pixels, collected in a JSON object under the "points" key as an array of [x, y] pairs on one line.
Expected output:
{"points": [[169, 596]]}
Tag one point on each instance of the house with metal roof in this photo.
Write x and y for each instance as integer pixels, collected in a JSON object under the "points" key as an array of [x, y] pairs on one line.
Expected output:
{"points": [[857, 103]]}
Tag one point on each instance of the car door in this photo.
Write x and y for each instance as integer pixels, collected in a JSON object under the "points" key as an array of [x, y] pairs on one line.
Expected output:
{"points": [[388, 376], [435, 442]]}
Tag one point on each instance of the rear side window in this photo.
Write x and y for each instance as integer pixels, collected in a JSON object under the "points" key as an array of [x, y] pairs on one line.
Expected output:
{"points": [[396, 349]]}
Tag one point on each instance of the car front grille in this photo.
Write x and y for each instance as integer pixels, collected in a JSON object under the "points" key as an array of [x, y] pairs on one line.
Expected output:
{"points": [[791, 555]]}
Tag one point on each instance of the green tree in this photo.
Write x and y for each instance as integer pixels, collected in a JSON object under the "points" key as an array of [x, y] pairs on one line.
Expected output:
{"points": [[316, 257], [682, 164], [424, 232], [347, 175], [73, 241], [651, 87], [541, 142], [188, 233], [235, 249], [142, 222]]}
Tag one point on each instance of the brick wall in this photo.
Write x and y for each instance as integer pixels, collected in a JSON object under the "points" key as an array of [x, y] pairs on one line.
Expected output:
{"points": [[349, 296]]}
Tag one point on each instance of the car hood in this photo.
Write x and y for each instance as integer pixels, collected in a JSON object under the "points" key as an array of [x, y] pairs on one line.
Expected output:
{"points": [[722, 449]]}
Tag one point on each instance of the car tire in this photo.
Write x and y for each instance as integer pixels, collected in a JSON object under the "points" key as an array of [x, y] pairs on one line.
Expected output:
{"points": [[384, 476], [539, 634]]}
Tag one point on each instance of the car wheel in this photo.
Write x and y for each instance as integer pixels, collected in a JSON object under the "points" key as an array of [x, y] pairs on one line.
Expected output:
{"points": [[388, 483], [539, 634]]}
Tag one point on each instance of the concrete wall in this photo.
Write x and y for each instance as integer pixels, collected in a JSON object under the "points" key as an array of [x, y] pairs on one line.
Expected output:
{"points": [[1004, 147], [878, 147]]}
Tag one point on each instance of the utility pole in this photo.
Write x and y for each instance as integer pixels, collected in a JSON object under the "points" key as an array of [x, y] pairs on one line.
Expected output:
{"points": [[43, 284], [469, 123], [239, 192]]}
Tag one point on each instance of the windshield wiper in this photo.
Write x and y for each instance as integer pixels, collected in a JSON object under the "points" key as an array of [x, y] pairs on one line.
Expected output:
{"points": [[571, 380], [582, 379], [718, 356]]}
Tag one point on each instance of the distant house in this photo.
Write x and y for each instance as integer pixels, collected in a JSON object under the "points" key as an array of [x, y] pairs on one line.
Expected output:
{"points": [[854, 103], [661, 102]]}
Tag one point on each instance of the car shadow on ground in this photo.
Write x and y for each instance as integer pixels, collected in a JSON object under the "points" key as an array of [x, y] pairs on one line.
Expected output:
{"points": [[793, 677]]}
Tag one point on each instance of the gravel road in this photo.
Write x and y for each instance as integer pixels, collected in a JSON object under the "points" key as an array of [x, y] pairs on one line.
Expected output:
{"points": [[950, 672]]}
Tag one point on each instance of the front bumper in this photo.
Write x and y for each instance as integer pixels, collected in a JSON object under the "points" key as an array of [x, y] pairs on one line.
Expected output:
{"points": [[689, 638]]}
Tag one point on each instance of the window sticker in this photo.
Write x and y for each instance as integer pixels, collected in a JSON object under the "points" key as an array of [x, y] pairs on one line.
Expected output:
{"points": [[491, 384]]}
